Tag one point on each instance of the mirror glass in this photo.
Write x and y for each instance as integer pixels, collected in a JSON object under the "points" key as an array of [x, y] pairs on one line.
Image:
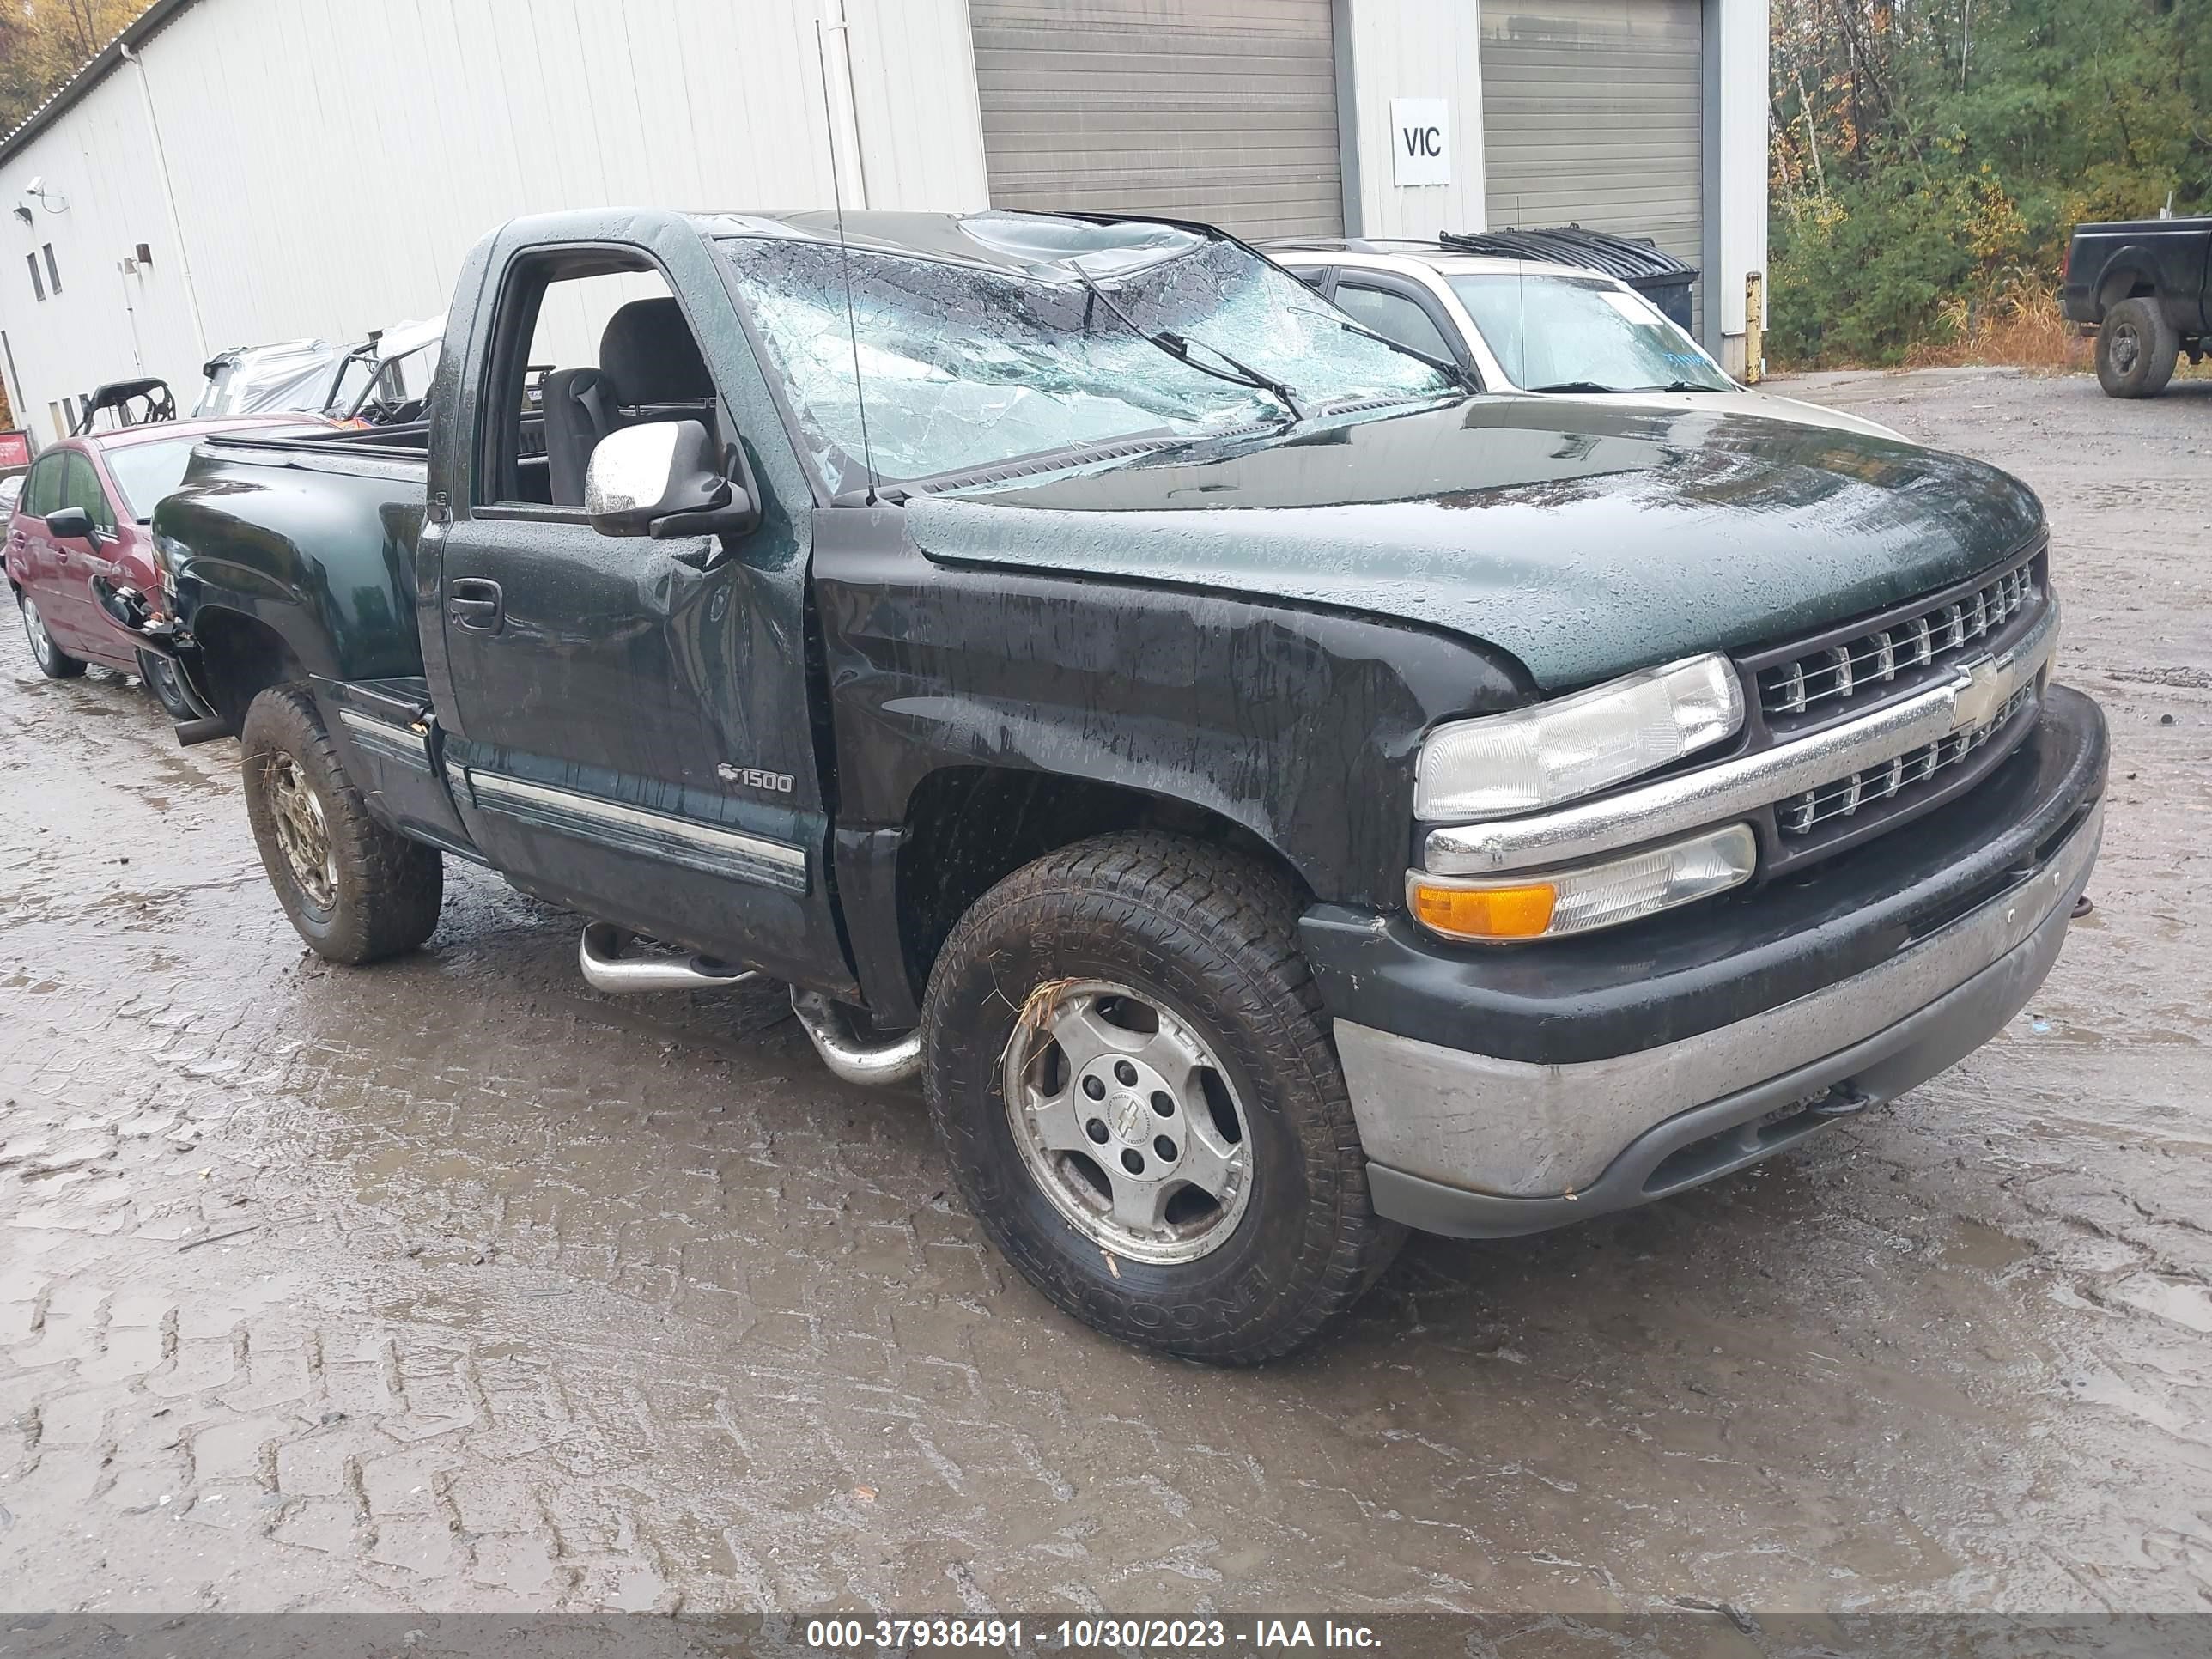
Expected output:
{"points": [[633, 471]]}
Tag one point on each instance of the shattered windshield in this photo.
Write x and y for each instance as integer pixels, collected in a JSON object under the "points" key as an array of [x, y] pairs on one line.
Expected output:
{"points": [[967, 366]]}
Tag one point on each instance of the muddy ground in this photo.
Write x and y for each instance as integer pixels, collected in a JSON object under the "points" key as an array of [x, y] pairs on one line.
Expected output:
{"points": [[452, 1285]]}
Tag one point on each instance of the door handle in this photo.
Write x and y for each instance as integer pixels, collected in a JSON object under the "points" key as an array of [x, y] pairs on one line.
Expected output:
{"points": [[474, 604]]}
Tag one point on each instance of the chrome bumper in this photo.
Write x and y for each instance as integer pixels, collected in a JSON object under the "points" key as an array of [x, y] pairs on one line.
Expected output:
{"points": [[1536, 1142]]}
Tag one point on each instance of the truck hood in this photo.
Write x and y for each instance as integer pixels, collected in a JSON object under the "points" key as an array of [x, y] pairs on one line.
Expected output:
{"points": [[1587, 541]]}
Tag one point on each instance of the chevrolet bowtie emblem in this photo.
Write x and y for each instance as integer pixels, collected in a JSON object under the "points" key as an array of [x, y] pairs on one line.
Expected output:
{"points": [[1981, 694]]}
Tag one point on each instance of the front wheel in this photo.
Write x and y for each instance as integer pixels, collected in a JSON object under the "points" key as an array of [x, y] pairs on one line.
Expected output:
{"points": [[356, 890], [162, 678], [54, 663], [1131, 1070], [2136, 349]]}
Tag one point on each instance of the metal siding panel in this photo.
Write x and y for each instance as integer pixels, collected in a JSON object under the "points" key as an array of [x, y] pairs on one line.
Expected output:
{"points": [[1594, 115], [333, 162], [1124, 105], [907, 54]]}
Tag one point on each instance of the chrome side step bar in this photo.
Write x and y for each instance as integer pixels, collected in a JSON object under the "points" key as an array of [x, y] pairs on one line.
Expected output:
{"points": [[600, 954], [876, 1064]]}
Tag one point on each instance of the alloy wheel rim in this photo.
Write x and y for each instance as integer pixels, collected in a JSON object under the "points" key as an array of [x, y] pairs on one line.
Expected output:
{"points": [[34, 629], [1126, 1122], [2124, 347], [303, 832]]}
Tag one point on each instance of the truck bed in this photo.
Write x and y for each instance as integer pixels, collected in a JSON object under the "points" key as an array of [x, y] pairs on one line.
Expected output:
{"points": [[392, 450], [283, 527], [2170, 258]]}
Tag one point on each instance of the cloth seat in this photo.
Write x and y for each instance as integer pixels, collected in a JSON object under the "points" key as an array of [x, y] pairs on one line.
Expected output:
{"points": [[646, 357]]}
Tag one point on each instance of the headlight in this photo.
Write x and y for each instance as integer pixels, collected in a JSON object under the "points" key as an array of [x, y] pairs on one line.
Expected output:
{"points": [[1562, 902], [1550, 752]]}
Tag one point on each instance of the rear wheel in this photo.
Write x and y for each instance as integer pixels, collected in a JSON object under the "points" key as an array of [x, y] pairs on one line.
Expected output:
{"points": [[1131, 1070], [54, 663], [356, 890], [2136, 349], [163, 680]]}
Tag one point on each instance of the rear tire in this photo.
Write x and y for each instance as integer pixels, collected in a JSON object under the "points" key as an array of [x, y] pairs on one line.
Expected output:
{"points": [[160, 676], [356, 890], [54, 663], [1173, 967], [2136, 349]]}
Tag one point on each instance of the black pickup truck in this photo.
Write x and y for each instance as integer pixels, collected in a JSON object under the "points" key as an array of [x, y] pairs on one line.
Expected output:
{"points": [[2145, 286], [1269, 796]]}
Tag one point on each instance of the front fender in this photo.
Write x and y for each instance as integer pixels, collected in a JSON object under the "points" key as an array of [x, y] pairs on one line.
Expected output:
{"points": [[1299, 724]]}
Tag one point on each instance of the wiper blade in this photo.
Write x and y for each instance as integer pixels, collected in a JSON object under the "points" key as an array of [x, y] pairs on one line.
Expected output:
{"points": [[1458, 371], [1178, 347], [1581, 385], [1685, 385]]}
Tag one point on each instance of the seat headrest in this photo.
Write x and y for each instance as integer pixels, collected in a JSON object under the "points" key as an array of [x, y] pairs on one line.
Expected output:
{"points": [[648, 353]]}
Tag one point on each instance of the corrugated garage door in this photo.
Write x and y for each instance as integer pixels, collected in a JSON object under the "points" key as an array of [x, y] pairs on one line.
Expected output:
{"points": [[1205, 109], [1592, 114]]}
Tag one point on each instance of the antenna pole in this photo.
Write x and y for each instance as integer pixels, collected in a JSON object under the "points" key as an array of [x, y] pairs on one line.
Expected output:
{"points": [[822, 32]]}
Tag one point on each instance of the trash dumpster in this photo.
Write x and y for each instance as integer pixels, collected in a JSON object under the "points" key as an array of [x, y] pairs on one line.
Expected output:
{"points": [[1659, 278]]}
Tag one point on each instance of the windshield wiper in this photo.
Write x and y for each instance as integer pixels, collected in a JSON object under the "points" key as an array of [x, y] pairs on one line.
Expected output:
{"points": [[1581, 385], [1458, 371], [1684, 385], [1178, 347]]}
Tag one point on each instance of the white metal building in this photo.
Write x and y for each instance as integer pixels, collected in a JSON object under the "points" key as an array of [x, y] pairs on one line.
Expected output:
{"points": [[231, 171]]}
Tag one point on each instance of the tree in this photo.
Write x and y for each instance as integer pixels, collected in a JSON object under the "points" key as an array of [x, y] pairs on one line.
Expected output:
{"points": [[44, 42], [1930, 156]]}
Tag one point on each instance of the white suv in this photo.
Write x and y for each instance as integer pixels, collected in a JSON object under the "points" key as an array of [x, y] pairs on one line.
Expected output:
{"points": [[1523, 326]]}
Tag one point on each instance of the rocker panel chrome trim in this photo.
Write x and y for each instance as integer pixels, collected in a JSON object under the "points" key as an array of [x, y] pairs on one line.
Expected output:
{"points": [[650, 835], [387, 741]]}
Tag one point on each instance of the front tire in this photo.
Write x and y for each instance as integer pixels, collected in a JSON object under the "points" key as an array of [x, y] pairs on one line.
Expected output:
{"points": [[162, 678], [356, 890], [2136, 349], [1131, 1071], [54, 663]]}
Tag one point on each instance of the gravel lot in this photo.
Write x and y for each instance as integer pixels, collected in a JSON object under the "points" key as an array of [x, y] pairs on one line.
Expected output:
{"points": [[450, 1285]]}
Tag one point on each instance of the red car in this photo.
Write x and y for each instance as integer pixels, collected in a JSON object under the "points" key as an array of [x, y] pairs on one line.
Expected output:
{"points": [[82, 513]]}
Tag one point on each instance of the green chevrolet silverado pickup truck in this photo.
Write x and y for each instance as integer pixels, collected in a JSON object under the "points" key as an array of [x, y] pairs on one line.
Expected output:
{"points": [[1270, 795]]}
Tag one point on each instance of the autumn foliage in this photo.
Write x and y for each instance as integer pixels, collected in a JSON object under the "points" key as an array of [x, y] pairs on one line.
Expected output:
{"points": [[1930, 159]]}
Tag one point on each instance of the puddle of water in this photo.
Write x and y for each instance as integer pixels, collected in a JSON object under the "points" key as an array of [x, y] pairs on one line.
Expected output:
{"points": [[2184, 1303], [1973, 1245]]}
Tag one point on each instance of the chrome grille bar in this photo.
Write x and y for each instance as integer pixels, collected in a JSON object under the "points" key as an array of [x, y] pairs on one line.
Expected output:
{"points": [[1843, 799], [1966, 696], [1875, 659]]}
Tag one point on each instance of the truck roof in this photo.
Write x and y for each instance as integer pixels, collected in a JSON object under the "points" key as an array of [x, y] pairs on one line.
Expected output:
{"points": [[1007, 240]]}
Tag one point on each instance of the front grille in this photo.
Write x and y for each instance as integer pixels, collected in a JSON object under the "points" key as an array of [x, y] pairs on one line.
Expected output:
{"points": [[1895, 781], [1882, 660]]}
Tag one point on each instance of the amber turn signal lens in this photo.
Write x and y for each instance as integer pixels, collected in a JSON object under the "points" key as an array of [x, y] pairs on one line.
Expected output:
{"points": [[1588, 896], [1486, 911]]}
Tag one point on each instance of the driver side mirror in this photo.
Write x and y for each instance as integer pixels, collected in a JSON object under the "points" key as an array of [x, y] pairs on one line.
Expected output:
{"points": [[664, 479], [72, 524]]}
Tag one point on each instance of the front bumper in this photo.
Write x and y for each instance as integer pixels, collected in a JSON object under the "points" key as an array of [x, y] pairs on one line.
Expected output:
{"points": [[1620, 1067]]}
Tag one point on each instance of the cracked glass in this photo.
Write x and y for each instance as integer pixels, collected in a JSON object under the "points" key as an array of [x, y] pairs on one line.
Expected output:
{"points": [[970, 365]]}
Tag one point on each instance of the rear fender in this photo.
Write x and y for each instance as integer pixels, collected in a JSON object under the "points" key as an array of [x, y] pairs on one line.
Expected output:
{"points": [[2132, 270]]}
